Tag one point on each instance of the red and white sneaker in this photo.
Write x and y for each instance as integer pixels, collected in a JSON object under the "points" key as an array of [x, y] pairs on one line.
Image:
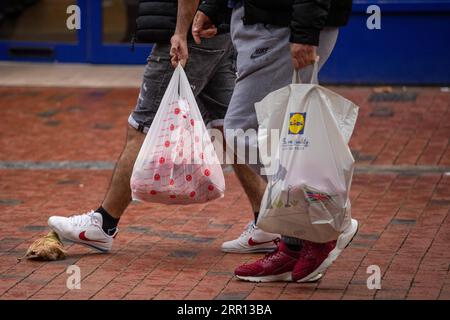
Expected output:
{"points": [[315, 258], [275, 266], [84, 229], [253, 239]]}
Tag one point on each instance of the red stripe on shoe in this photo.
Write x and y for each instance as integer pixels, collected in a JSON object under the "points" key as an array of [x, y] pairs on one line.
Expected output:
{"points": [[83, 237]]}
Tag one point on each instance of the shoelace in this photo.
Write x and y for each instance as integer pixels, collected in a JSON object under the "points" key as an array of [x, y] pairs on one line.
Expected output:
{"points": [[250, 227], [272, 255], [82, 219], [277, 241]]}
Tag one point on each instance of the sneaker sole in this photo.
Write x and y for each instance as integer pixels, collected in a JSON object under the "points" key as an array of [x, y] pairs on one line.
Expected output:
{"points": [[284, 277], [82, 243], [88, 245], [79, 242], [343, 242], [250, 250]]}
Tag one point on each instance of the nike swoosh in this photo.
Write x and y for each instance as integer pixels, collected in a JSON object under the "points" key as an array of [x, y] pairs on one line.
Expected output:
{"points": [[251, 242], [83, 237], [259, 52], [256, 55]]}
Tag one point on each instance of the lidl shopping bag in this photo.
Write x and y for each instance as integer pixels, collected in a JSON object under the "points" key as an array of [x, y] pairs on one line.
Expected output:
{"points": [[177, 163], [310, 168]]}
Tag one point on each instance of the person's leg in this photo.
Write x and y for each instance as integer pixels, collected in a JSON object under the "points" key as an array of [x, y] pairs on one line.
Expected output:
{"points": [[328, 38], [264, 66], [118, 195], [253, 185], [252, 239], [260, 70], [98, 228], [214, 99]]}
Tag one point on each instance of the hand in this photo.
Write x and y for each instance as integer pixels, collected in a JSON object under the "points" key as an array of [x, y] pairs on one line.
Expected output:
{"points": [[302, 55], [178, 50], [202, 27]]}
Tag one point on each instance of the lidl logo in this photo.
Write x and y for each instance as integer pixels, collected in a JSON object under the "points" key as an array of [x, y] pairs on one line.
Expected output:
{"points": [[297, 123]]}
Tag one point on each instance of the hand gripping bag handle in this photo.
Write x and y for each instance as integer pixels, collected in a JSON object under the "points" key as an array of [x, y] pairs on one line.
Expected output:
{"points": [[314, 75]]}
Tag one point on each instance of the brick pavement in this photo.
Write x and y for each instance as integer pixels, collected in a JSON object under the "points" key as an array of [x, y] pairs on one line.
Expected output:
{"points": [[172, 252]]}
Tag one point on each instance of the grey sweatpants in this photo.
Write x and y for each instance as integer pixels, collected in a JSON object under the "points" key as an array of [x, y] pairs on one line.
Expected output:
{"points": [[263, 65]]}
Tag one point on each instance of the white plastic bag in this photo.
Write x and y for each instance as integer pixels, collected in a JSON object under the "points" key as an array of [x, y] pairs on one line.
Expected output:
{"points": [[307, 195], [177, 163]]}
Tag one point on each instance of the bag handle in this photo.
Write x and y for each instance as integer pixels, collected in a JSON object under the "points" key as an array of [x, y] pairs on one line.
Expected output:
{"points": [[184, 89], [314, 75], [178, 77]]}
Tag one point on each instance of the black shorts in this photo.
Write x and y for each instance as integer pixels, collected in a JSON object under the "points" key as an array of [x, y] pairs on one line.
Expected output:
{"points": [[211, 73]]}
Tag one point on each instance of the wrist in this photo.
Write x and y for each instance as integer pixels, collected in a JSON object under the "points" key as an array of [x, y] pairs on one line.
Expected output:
{"points": [[181, 34]]}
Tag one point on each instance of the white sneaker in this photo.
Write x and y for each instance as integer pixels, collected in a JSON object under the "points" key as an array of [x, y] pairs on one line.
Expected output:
{"points": [[83, 229], [253, 239]]}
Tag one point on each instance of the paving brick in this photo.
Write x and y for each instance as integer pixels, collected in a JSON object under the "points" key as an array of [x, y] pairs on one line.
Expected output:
{"points": [[173, 252]]}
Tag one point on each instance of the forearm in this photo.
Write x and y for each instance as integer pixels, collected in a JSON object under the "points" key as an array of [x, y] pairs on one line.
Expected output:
{"points": [[186, 12]]}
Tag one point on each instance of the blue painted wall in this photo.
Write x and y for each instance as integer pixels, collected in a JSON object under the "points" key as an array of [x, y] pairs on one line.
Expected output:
{"points": [[412, 47]]}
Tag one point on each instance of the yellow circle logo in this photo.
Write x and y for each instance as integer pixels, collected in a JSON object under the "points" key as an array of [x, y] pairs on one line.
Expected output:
{"points": [[296, 123]]}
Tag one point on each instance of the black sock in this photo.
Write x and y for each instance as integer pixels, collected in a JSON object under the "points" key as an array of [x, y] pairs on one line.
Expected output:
{"points": [[294, 247], [256, 214], [109, 222]]}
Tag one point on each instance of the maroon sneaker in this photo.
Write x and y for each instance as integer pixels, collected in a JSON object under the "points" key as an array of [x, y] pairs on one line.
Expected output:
{"points": [[315, 258], [275, 266], [311, 257]]}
